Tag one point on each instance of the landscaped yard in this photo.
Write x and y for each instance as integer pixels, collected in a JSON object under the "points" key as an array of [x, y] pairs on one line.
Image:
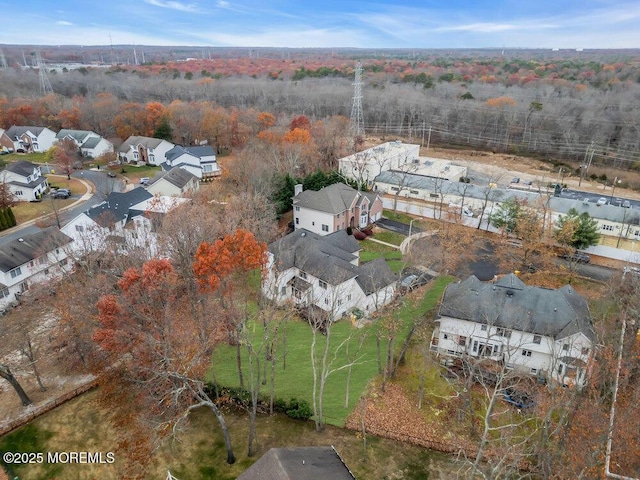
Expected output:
{"points": [[25, 211], [296, 380], [135, 173], [372, 250]]}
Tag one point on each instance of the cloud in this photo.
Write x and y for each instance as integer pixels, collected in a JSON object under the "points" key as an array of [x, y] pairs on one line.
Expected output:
{"points": [[222, 4], [63, 22], [174, 5]]}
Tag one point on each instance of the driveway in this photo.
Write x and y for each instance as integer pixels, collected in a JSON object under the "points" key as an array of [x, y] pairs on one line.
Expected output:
{"points": [[397, 227]]}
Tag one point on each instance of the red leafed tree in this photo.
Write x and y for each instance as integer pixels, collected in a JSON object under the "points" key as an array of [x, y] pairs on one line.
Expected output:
{"points": [[301, 122], [65, 155], [158, 353]]}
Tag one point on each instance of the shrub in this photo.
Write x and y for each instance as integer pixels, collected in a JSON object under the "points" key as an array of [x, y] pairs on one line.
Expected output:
{"points": [[299, 409], [349, 231], [359, 235], [367, 231]]}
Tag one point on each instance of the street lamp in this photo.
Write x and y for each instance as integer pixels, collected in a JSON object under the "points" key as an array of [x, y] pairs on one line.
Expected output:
{"points": [[615, 182], [410, 225]]}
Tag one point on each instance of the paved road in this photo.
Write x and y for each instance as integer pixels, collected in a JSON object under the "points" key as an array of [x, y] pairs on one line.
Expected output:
{"points": [[594, 197], [103, 186]]}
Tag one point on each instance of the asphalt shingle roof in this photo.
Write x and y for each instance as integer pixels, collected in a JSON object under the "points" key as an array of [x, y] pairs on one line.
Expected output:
{"points": [[317, 463], [199, 152], [21, 167], [177, 176], [332, 199], [509, 303], [77, 135], [146, 142], [116, 206], [16, 131], [29, 247]]}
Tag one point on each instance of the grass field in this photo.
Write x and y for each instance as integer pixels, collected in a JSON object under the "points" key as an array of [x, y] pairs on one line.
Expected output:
{"points": [[296, 380], [372, 250], [389, 237], [25, 211]]}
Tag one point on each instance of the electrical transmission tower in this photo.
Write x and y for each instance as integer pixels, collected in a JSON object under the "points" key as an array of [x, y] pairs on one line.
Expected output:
{"points": [[3, 60], [357, 118], [45, 84]]}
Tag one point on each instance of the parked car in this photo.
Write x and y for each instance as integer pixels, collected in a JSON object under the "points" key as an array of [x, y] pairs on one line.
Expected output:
{"points": [[626, 204], [515, 180], [467, 212], [413, 278], [578, 257], [61, 193], [601, 201], [517, 398], [144, 181], [111, 175]]}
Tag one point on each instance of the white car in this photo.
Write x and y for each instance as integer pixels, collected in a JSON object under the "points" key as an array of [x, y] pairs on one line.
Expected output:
{"points": [[601, 201]]}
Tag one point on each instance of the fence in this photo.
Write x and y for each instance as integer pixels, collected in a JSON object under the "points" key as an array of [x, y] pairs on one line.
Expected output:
{"points": [[46, 407]]}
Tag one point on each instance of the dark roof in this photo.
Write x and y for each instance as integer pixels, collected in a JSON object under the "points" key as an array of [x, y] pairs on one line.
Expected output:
{"points": [[317, 463], [332, 199], [325, 257], [375, 275], [77, 135], [31, 184], [329, 259], [176, 176], [21, 167], [92, 142], [16, 131], [116, 206], [29, 247], [509, 303], [199, 152]]}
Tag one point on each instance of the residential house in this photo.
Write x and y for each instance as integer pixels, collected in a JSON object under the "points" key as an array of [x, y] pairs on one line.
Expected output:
{"points": [[144, 150], [365, 165], [334, 208], [313, 270], [25, 180], [177, 182], [200, 161], [31, 139], [32, 259], [534, 330], [90, 144], [317, 463], [123, 222], [6, 144]]}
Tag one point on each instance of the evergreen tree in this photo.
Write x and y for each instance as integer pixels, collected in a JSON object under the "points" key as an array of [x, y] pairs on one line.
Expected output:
{"points": [[577, 230], [12, 218], [163, 130]]}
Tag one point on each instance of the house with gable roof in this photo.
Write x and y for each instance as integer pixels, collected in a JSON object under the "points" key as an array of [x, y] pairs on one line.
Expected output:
{"points": [[533, 330], [174, 183], [324, 272], [6, 144], [137, 149], [124, 221], [199, 160], [25, 180], [334, 208], [31, 259], [31, 139], [90, 144]]}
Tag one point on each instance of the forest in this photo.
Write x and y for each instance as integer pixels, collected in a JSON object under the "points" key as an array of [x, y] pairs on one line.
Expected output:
{"points": [[553, 105]]}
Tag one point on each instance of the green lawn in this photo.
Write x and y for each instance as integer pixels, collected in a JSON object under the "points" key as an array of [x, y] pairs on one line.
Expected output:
{"points": [[296, 380], [389, 237], [372, 250], [39, 157]]}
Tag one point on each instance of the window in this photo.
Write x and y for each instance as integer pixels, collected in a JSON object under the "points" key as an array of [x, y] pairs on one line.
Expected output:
{"points": [[565, 347], [349, 298], [283, 291], [503, 332], [534, 371], [413, 192], [462, 341], [4, 292], [15, 272], [313, 223], [475, 345], [322, 284], [445, 336], [434, 195], [339, 302], [303, 275], [297, 221], [483, 328], [326, 301], [31, 263], [537, 339], [395, 189], [18, 192], [325, 228], [526, 353], [585, 351], [297, 209], [608, 228]]}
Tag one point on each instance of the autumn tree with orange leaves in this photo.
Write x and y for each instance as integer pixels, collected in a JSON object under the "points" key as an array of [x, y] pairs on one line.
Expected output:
{"points": [[158, 349]]}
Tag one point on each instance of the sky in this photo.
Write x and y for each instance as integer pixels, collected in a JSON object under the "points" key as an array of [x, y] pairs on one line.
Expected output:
{"points": [[325, 23]]}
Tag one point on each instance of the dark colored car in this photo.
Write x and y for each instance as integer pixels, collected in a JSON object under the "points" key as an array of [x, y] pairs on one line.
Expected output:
{"points": [[517, 398], [61, 193], [578, 257]]}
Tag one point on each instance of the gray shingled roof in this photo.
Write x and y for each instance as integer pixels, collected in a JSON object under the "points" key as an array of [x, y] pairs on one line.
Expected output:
{"points": [[302, 463], [332, 199], [21, 167], [133, 140], [92, 142], [509, 303], [199, 152], [175, 176], [328, 258], [16, 131], [77, 135], [116, 206], [375, 275], [29, 247]]}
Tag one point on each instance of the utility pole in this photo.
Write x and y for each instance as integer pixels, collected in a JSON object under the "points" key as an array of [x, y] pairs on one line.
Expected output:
{"points": [[45, 84], [429, 138], [584, 167], [357, 117]]}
